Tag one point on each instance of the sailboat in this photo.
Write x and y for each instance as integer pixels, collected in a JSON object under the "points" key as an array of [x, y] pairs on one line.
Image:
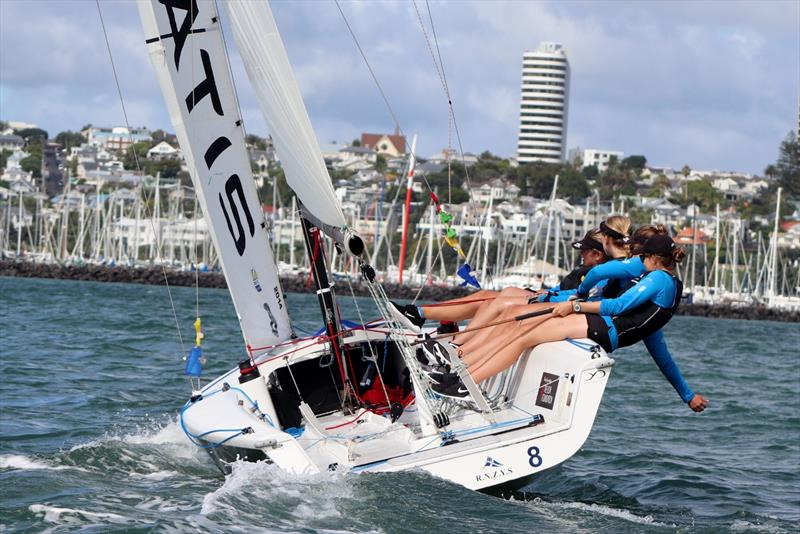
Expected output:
{"points": [[354, 397]]}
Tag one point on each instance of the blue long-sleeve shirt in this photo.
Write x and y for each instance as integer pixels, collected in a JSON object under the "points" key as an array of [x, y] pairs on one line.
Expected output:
{"points": [[657, 347], [659, 287], [627, 269]]}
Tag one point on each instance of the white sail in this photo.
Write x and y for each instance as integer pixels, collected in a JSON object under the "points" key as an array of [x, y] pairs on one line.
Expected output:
{"points": [[186, 48], [279, 97]]}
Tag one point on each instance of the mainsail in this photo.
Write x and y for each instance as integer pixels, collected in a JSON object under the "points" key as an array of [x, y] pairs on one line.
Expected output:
{"points": [[279, 97], [187, 50]]}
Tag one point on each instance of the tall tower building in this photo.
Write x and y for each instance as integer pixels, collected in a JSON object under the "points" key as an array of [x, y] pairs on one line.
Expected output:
{"points": [[543, 105]]}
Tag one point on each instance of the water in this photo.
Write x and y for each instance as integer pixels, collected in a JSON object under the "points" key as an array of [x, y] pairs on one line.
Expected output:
{"points": [[89, 442]]}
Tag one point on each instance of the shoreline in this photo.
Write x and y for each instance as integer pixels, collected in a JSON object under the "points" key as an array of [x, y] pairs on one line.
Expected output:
{"points": [[299, 284]]}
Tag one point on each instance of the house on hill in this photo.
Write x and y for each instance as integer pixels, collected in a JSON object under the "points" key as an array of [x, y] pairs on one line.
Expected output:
{"points": [[384, 144], [162, 151]]}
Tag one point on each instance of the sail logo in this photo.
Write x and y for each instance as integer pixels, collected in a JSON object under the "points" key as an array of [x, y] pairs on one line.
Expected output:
{"points": [[256, 283], [493, 469], [273, 324], [207, 89]]}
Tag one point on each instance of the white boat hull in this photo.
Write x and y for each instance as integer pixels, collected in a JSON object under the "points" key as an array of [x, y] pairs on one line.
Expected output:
{"points": [[535, 429]]}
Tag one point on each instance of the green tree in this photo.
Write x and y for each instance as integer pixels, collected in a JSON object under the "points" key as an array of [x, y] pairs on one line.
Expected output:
{"points": [[33, 163], [140, 150], [590, 172], [4, 157], [380, 163], [637, 163], [32, 135], [259, 143], [788, 165], [69, 138], [702, 193]]}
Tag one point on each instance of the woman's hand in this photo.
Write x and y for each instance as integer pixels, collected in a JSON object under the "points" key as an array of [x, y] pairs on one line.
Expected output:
{"points": [[698, 403], [562, 309]]}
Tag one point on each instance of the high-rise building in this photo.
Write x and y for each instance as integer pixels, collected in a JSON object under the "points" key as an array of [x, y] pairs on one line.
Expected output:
{"points": [[543, 104]]}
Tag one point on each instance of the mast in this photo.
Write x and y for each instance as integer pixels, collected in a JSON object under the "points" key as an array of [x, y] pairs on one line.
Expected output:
{"points": [[407, 208], [315, 247], [773, 278], [716, 256]]}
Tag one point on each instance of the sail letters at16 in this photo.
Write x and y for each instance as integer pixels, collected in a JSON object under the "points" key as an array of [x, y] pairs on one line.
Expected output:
{"points": [[208, 88]]}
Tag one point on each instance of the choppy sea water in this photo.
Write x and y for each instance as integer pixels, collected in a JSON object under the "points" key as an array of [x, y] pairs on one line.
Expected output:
{"points": [[90, 384]]}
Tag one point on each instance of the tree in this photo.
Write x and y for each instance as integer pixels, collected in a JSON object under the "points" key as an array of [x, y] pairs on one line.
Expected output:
{"points": [[380, 163], [703, 193], [33, 135], [259, 143], [140, 149], [788, 165], [636, 163], [33, 163], [69, 138], [4, 157], [591, 172], [356, 142]]}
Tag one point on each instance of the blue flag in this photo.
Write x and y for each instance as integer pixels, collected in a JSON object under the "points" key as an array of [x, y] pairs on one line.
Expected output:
{"points": [[468, 275], [194, 367]]}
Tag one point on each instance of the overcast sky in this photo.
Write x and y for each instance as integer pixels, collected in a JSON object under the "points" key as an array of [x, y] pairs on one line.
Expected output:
{"points": [[710, 84]]}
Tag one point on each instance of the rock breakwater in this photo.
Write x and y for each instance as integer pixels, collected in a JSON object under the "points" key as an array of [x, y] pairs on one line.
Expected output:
{"points": [[300, 284]]}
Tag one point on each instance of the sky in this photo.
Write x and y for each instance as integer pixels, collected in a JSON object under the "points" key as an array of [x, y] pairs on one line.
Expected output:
{"points": [[712, 85]]}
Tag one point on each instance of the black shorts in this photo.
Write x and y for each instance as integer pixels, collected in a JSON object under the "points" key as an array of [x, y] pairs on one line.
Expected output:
{"points": [[597, 331]]}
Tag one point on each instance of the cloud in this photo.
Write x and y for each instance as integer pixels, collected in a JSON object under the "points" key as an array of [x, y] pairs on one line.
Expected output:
{"points": [[710, 84]]}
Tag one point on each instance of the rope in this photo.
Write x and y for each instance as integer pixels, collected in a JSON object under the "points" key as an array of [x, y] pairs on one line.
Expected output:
{"points": [[371, 72], [156, 237], [439, 66], [371, 348]]}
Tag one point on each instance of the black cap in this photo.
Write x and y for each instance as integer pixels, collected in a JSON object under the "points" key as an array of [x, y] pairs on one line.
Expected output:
{"points": [[613, 234], [659, 245], [588, 242]]}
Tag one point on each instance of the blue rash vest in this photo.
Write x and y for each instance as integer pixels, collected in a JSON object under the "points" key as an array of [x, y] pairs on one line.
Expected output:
{"points": [[626, 269], [594, 285], [660, 289]]}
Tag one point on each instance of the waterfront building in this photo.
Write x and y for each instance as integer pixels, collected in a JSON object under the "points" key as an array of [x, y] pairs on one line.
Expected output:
{"points": [[544, 104]]}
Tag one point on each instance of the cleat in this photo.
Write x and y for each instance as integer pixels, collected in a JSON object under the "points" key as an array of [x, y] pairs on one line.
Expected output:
{"points": [[407, 315]]}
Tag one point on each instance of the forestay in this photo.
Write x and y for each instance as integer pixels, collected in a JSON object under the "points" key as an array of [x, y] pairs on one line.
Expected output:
{"points": [[188, 53], [279, 97]]}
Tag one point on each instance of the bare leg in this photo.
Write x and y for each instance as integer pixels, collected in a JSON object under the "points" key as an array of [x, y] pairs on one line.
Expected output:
{"points": [[466, 307], [458, 309], [490, 313], [554, 329], [509, 311], [476, 351]]}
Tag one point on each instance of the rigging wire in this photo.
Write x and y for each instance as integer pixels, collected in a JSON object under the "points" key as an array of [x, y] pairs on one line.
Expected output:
{"points": [[139, 170], [369, 67], [439, 66]]}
